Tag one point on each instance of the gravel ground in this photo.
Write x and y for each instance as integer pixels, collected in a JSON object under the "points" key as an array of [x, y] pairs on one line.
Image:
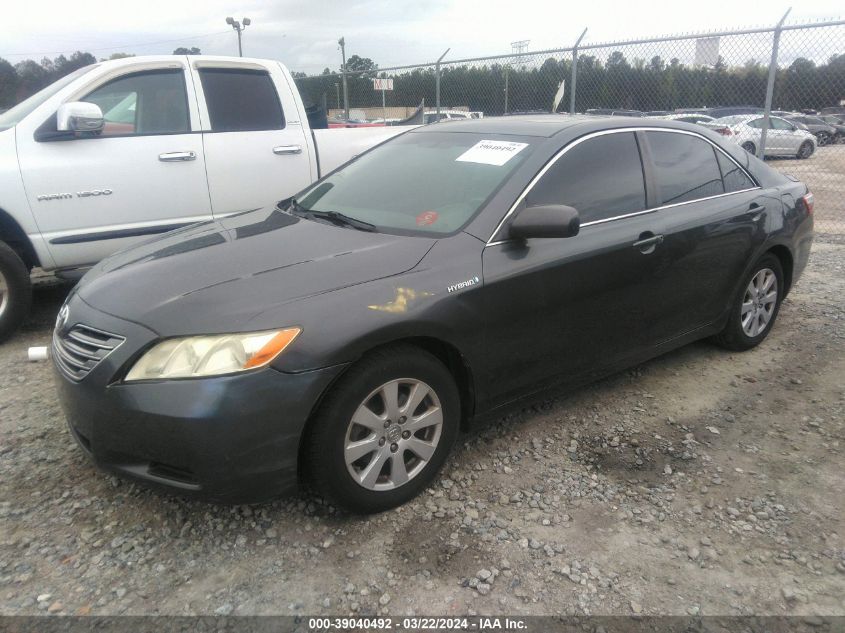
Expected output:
{"points": [[702, 482]]}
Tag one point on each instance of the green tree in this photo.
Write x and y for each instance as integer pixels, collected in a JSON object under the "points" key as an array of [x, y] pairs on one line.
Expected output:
{"points": [[8, 84]]}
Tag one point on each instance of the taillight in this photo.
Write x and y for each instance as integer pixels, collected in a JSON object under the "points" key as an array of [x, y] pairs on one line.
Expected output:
{"points": [[808, 202], [724, 131]]}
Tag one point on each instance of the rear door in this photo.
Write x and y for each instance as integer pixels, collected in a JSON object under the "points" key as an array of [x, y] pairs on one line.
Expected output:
{"points": [[256, 150], [144, 174], [561, 309], [710, 218]]}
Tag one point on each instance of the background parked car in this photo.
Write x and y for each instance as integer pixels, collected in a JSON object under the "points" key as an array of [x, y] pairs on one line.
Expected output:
{"points": [[838, 124], [686, 117], [718, 113], [611, 112], [446, 115], [783, 139], [823, 131]]}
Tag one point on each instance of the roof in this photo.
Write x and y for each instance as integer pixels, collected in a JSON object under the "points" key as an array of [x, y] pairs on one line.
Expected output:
{"points": [[544, 125]]}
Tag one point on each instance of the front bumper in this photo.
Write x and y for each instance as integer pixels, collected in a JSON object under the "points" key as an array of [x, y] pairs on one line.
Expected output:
{"points": [[232, 439]]}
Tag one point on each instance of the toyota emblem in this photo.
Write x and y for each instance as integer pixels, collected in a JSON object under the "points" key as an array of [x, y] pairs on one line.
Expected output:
{"points": [[61, 319]]}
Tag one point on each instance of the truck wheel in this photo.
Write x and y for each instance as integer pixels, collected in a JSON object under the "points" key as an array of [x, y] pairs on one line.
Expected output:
{"points": [[15, 291]]}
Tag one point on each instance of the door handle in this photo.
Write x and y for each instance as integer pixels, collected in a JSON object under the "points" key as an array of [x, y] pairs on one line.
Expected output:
{"points": [[283, 150], [177, 157], [756, 211], [648, 242]]}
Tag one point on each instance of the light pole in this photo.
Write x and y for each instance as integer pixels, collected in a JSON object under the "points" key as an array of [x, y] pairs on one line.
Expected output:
{"points": [[239, 27], [342, 43]]}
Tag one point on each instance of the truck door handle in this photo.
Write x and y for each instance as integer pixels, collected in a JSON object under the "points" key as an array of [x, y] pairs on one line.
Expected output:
{"points": [[175, 157], [287, 149], [648, 242]]}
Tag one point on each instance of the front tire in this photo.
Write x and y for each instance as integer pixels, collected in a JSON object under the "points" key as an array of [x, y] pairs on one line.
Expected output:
{"points": [[15, 292], [756, 307], [805, 151], [384, 430]]}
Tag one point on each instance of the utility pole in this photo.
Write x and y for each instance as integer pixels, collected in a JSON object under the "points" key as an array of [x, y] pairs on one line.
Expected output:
{"points": [[239, 27], [342, 43]]}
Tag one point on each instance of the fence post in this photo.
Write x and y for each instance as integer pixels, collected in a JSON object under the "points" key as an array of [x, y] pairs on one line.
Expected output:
{"points": [[574, 72], [437, 82], [770, 85]]}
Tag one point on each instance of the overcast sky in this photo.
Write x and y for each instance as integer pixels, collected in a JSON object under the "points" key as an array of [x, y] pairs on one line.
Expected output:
{"points": [[303, 34]]}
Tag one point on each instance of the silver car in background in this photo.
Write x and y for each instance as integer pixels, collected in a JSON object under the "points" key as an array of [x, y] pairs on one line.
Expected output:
{"points": [[783, 138]]}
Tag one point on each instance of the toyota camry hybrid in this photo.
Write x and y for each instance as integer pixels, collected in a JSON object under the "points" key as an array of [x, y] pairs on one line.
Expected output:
{"points": [[346, 336]]}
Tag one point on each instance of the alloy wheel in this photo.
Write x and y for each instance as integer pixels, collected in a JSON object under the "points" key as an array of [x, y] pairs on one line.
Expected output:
{"points": [[393, 434], [759, 302], [806, 150]]}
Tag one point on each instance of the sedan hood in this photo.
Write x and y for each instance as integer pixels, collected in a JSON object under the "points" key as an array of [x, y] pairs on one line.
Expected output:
{"points": [[233, 274]]}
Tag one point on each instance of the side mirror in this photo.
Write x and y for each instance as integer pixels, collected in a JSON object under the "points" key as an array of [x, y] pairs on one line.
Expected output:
{"points": [[551, 220], [79, 117]]}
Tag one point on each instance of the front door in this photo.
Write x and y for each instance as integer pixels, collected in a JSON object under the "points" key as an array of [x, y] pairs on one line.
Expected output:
{"points": [[563, 309], [143, 175], [255, 145]]}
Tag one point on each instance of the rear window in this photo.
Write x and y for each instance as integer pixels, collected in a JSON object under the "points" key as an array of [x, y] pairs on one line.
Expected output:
{"points": [[734, 177], [685, 167], [241, 100]]}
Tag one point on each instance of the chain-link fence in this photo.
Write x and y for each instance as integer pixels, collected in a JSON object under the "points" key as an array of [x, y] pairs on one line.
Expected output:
{"points": [[796, 106]]}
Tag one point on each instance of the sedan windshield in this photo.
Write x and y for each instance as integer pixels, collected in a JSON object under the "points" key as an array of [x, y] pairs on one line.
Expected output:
{"points": [[425, 182]]}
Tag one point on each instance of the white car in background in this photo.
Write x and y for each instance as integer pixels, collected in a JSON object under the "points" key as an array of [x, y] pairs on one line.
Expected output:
{"points": [[783, 138], [447, 115], [686, 117]]}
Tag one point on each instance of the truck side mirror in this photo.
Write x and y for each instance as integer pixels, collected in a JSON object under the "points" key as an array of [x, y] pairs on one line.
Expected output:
{"points": [[79, 117]]}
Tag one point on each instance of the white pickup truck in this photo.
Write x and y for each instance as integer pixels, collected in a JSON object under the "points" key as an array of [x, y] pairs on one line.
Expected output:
{"points": [[121, 150]]}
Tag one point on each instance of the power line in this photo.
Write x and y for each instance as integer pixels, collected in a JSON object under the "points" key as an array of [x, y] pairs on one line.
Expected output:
{"points": [[111, 48]]}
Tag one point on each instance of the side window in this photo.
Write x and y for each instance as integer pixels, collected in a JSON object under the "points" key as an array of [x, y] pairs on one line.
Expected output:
{"points": [[150, 102], [685, 167], [601, 177], [756, 123], [241, 100], [780, 124], [735, 179]]}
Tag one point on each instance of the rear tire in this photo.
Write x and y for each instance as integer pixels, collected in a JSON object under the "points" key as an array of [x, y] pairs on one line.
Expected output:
{"points": [[805, 151], [15, 291], [823, 138], [756, 306], [749, 147], [367, 455]]}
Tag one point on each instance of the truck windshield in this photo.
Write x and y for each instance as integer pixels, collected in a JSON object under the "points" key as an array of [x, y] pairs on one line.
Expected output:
{"points": [[15, 115], [420, 182]]}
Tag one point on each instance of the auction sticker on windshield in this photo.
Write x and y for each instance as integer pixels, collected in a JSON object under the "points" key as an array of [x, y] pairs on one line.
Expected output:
{"points": [[491, 152]]}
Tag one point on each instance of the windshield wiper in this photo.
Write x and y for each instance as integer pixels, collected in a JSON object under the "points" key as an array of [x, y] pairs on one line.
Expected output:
{"points": [[335, 217]]}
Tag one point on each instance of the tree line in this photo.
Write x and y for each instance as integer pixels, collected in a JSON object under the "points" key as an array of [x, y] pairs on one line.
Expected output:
{"points": [[29, 76], [616, 83], [495, 88]]}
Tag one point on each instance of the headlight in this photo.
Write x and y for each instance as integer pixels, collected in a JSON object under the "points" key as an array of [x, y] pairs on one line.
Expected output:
{"points": [[195, 356]]}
